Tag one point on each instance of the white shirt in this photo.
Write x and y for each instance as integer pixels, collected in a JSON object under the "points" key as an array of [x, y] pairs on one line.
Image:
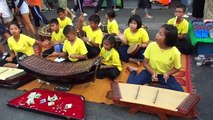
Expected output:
{"points": [[4, 9]]}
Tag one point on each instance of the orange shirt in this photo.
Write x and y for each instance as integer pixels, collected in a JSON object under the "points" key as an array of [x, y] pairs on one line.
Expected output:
{"points": [[34, 2]]}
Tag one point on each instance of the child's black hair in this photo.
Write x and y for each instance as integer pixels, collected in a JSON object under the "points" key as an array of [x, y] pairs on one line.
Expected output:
{"points": [[54, 21], [69, 29], [111, 13], [137, 19], [171, 35], [59, 10], [110, 38], [94, 18], [182, 6]]}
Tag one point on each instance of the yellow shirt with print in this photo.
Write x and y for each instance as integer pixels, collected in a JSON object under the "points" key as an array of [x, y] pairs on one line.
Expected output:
{"points": [[160, 60], [141, 36], [63, 23], [112, 27], [182, 27], [111, 58], [24, 45], [58, 36], [78, 48], [96, 36]]}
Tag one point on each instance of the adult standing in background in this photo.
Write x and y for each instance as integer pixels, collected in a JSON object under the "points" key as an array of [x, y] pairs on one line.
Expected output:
{"points": [[37, 15], [208, 11], [198, 7], [144, 5], [79, 5], [5, 12], [188, 5], [22, 9], [63, 4], [100, 3]]}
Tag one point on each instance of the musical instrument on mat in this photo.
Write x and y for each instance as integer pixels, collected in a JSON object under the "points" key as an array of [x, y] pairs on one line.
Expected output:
{"points": [[133, 49], [45, 32], [65, 72], [8, 74], [154, 100]]}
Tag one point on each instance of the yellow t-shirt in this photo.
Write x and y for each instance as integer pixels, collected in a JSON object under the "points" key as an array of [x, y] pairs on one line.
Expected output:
{"points": [[160, 60], [24, 45], [112, 27], [141, 36], [95, 36], [111, 58], [58, 36], [63, 23], [182, 27], [78, 48]]}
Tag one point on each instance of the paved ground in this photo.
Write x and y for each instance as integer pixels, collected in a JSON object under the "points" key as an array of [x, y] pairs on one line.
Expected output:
{"points": [[201, 77]]}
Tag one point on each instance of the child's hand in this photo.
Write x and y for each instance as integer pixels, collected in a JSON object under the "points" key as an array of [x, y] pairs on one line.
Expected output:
{"points": [[74, 56], [143, 45], [166, 76], [9, 59], [102, 67], [154, 77], [81, 18], [54, 54], [45, 43]]}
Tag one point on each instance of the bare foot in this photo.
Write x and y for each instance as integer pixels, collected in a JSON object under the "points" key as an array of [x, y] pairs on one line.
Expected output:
{"points": [[133, 11], [139, 63], [130, 68], [148, 16]]}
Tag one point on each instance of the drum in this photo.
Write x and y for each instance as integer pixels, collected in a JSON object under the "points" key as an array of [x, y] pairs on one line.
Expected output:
{"points": [[133, 49], [45, 33]]}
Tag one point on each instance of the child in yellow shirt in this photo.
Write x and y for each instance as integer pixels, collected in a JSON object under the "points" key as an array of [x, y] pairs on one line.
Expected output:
{"points": [[94, 35], [63, 19], [162, 60], [112, 25], [57, 38], [182, 25], [134, 34], [74, 48], [19, 44], [111, 64]]}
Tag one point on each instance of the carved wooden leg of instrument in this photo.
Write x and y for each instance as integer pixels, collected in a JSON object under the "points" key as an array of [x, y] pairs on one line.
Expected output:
{"points": [[133, 110], [162, 117]]}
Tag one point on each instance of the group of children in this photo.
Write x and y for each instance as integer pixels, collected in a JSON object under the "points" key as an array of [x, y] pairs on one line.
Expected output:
{"points": [[161, 58]]}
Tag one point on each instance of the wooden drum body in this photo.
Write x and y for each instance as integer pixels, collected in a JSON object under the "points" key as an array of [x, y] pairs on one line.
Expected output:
{"points": [[161, 102], [133, 49]]}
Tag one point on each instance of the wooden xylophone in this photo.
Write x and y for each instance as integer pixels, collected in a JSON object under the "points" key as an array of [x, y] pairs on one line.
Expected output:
{"points": [[65, 72]]}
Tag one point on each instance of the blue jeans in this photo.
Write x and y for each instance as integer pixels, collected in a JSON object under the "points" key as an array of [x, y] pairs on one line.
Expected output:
{"points": [[145, 77], [58, 48]]}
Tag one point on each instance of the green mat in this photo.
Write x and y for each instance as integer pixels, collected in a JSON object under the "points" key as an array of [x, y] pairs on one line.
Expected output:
{"points": [[195, 40], [119, 4]]}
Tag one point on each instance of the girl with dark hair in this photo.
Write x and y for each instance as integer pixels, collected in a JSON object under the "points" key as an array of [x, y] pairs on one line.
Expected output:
{"points": [[111, 64], [19, 44], [134, 34], [162, 60]]}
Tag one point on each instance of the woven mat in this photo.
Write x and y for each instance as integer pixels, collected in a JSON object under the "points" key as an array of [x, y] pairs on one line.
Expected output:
{"points": [[97, 91]]}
